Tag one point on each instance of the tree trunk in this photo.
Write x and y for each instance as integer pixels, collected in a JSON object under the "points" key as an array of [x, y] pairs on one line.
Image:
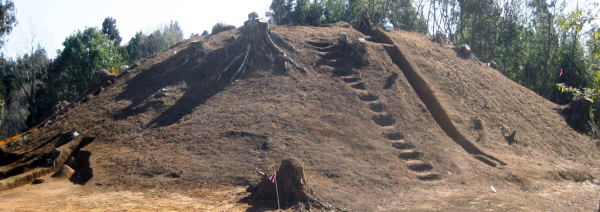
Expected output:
{"points": [[256, 33]]}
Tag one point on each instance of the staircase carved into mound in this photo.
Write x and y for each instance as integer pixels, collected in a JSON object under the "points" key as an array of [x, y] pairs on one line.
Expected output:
{"points": [[406, 151]]}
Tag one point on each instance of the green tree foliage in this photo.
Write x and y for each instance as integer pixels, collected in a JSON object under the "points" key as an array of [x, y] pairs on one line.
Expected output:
{"points": [[8, 19], [8, 79], [32, 77], [146, 45], [109, 28], [574, 23], [84, 53], [401, 13]]}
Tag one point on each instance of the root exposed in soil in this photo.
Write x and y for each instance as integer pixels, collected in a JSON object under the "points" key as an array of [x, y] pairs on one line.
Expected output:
{"points": [[256, 45]]}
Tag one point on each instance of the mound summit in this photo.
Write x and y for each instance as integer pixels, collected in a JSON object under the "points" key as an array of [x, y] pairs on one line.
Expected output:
{"points": [[403, 124]]}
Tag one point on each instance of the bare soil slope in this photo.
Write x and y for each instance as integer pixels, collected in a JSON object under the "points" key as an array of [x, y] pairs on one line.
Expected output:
{"points": [[416, 128]]}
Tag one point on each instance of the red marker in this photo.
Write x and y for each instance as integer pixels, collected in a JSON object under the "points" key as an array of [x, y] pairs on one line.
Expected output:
{"points": [[273, 177], [560, 73]]}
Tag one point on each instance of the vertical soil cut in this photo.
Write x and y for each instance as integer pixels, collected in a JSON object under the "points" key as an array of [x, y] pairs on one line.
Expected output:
{"points": [[428, 98]]}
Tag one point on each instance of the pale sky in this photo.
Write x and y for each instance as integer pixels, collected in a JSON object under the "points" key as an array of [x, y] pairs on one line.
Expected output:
{"points": [[49, 22]]}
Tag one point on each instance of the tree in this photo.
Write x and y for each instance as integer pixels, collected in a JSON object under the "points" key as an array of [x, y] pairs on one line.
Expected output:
{"points": [[205, 33], [109, 28], [143, 45], [8, 19], [31, 72], [84, 53], [281, 11]]}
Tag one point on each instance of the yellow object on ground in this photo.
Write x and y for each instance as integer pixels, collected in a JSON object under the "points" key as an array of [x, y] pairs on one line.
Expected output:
{"points": [[117, 71], [11, 138]]}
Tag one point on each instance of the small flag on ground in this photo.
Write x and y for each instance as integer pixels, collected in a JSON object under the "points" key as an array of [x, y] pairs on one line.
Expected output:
{"points": [[273, 177]]}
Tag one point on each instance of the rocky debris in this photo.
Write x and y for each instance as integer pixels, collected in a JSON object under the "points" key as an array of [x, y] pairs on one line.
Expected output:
{"points": [[464, 49], [509, 134], [390, 80], [252, 15], [442, 38], [65, 172], [493, 65], [102, 78], [477, 123]]}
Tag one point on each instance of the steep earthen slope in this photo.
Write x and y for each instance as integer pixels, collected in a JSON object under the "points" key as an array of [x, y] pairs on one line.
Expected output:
{"points": [[400, 132]]}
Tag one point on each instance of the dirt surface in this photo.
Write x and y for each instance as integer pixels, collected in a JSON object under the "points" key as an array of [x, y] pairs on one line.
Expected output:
{"points": [[414, 127]]}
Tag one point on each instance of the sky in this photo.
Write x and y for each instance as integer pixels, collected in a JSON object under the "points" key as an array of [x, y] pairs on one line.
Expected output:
{"points": [[49, 22]]}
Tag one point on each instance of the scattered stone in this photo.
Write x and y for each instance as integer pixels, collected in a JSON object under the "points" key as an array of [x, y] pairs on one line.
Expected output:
{"points": [[493, 65], [252, 15], [442, 38], [390, 80], [64, 172], [175, 175], [101, 78], [509, 134], [265, 146], [477, 123], [37, 181]]}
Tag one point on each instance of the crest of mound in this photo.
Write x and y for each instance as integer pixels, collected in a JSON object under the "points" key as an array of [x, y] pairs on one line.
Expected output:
{"points": [[375, 133]]}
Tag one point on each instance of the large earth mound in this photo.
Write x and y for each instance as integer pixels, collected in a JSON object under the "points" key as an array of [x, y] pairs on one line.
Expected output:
{"points": [[407, 125]]}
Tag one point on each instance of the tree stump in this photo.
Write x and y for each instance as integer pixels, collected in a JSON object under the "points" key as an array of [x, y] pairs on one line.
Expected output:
{"points": [[253, 46], [361, 45], [364, 22], [256, 33], [291, 183], [465, 49], [343, 38], [577, 114]]}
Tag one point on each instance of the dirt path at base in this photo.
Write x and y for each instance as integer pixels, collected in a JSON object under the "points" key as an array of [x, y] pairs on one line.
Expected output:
{"points": [[65, 196], [62, 195]]}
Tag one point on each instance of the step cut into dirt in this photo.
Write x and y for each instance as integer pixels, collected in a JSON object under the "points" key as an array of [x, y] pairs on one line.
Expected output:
{"points": [[438, 113]]}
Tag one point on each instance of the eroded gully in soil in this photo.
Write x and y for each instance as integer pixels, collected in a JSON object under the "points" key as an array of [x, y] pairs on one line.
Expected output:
{"points": [[427, 96]]}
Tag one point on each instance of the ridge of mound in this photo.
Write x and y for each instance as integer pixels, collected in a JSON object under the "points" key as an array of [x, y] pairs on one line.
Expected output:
{"points": [[411, 126]]}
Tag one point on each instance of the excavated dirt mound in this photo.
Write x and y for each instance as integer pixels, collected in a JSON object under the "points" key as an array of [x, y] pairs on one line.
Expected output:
{"points": [[414, 127]]}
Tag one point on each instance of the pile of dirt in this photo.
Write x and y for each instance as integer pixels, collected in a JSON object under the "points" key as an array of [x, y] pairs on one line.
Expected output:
{"points": [[408, 124]]}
